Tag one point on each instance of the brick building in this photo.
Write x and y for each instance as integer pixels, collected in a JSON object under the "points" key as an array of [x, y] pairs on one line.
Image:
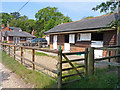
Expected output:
{"points": [[14, 35], [78, 35]]}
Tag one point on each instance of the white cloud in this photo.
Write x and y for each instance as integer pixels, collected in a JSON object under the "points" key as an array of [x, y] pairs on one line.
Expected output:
{"points": [[54, 0]]}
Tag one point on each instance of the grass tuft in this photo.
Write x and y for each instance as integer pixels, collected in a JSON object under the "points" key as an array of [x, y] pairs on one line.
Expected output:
{"points": [[38, 79]]}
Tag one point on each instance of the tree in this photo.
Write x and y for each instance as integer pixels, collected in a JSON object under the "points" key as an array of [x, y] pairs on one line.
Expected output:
{"points": [[15, 15], [50, 17], [23, 18], [5, 17], [108, 6], [111, 6], [46, 19]]}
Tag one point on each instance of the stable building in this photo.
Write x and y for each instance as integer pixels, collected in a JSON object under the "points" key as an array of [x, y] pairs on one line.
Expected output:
{"points": [[92, 32], [14, 35]]}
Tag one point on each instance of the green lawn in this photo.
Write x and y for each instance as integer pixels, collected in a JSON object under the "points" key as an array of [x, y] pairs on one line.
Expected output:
{"points": [[38, 79], [41, 54], [103, 78]]}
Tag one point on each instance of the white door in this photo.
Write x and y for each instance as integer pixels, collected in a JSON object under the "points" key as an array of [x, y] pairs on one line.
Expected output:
{"points": [[55, 42], [71, 38], [97, 53], [48, 39], [67, 47]]}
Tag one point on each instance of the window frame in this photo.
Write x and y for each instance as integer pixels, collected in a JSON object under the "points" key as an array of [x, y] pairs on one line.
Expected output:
{"points": [[79, 35]]}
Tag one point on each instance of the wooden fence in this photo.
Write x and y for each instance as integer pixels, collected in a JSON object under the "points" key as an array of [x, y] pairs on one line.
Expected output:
{"points": [[13, 53], [88, 59]]}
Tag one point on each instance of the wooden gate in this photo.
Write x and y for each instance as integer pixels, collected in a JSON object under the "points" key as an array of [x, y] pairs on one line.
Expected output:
{"points": [[73, 67]]}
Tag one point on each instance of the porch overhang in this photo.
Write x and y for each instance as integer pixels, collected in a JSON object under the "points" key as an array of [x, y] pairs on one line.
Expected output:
{"points": [[81, 31]]}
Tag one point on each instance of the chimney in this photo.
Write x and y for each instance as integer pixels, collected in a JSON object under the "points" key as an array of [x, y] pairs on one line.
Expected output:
{"points": [[3, 25], [33, 32], [7, 23]]}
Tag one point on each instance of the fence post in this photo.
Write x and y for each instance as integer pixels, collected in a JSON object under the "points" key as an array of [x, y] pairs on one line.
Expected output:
{"points": [[21, 55], [60, 69], [2, 47], [5, 49], [118, 58], [86, 61], [91, 61], [109, 58], [9, 49], [33, 58], [14, 52]]}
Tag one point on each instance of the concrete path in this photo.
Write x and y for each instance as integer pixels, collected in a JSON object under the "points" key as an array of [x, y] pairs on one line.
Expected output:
{"points": [[8, 79]]}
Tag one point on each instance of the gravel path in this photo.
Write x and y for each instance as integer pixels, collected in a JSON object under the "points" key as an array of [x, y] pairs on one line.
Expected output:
{"points": [[9, 79], [46, 61]]}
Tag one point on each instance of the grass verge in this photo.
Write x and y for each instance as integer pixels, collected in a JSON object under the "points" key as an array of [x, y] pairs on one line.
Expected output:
{"points": [[44, 54], [40, 54], [38, 79], [103, 78]]}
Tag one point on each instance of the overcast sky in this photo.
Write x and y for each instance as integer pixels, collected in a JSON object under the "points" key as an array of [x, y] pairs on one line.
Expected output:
{"points": [[75, 9]]}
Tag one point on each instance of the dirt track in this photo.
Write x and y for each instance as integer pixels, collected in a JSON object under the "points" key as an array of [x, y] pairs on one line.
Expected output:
{"points": [[46, 61], [11, 80]]}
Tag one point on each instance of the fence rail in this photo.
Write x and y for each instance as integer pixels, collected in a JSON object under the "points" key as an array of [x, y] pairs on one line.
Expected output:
{"points": [[23, 58], [73, 67], [88, 59]]}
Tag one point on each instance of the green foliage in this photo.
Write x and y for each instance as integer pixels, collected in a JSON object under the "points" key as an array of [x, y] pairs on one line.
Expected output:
{"points": [[44, 54], [46, 19], [103, 78], [40, 54], [4, 41], [4, 17], [24, 23], [15, 15], [108, 6], [49, 17]]}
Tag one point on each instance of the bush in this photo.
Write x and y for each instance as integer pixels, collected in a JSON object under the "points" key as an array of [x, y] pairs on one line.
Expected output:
{"points": [[4, 41]]}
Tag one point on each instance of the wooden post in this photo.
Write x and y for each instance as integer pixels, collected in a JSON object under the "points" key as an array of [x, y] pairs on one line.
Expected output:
{"points": [[109, 58], [91, 61], [2, 48], [33, 58], [9, 49], [5, 48], [21, 55], [115, 54], [86, 61], [14, 52], [60, 69]]}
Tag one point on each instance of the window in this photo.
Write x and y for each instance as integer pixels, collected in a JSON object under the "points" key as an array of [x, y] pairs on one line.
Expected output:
{"points": [[22, 39], [97, 36], [51, 38], [67, 38], [84, 37], [71, 38]]}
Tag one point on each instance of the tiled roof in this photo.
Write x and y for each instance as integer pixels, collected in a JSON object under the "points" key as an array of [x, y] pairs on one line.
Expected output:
{"points": [[86, 24], [19, 34], [15, 28]]}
